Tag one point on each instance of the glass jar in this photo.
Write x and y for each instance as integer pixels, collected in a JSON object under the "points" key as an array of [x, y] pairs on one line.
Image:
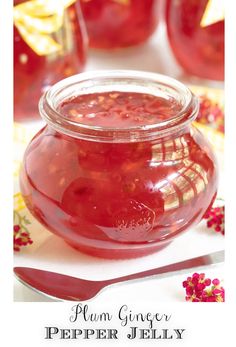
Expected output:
{"points": [[50, 43], [119, 170], [119, 23], [198, 46]]}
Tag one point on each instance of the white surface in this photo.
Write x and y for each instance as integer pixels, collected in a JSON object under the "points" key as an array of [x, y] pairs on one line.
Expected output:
{"points": [[50, 252]]}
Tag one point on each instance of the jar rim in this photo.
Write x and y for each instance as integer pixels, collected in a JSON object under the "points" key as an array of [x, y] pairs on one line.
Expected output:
{"points": [[112, 79]]}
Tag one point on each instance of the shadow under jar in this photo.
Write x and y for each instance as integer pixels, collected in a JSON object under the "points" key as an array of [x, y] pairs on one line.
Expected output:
{"points": [[118, 171], [119, 23], [50, 43], [198, 45]]}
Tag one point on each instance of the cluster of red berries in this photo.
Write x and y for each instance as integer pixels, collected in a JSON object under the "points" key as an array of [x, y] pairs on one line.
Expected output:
{"points": [[201, 289], [210, 113], [216, 219], [21, 238]]}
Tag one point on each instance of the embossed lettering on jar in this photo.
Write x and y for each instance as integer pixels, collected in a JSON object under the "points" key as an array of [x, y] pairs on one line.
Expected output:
{"points": [[119, 171]]}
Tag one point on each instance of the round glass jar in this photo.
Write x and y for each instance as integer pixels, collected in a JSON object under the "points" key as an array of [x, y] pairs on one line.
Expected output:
{"points": [[197, 46], [50, 43], [119, 23], [118, 171]]}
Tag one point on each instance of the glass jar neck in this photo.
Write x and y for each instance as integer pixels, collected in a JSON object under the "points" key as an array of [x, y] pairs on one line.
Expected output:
{"points": [[120, 81]]}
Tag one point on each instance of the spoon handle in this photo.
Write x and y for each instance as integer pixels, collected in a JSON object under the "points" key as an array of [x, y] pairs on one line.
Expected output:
{"points": [[174, 269]]}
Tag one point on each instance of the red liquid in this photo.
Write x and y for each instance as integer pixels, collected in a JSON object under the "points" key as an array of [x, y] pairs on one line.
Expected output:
{"points": [[118, 199], [113, 24], [199, 50], [120, 110], [33, 74]]}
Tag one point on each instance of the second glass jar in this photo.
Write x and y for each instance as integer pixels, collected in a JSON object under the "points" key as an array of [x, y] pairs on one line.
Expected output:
{"points": [[197, 46], [50, 43], [119, 23]]}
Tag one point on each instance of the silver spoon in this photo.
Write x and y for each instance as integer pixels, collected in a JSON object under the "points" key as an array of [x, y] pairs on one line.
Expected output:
{"points": [[76, 289]]}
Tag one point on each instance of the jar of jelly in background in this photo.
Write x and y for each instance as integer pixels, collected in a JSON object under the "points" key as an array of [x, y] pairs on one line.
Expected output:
{"points": [[119, 170], [196, 36], [119, 23], [50, 43]]}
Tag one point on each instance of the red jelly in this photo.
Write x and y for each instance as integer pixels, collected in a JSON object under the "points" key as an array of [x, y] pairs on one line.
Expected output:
{"points": [[53, 49], [199, 48], [119, 171], [119, 23]]}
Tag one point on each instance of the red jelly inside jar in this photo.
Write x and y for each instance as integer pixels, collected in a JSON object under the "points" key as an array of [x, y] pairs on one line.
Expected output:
{"points": [[119, 23], [49, 45], [198, 45], [118, 173]]}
